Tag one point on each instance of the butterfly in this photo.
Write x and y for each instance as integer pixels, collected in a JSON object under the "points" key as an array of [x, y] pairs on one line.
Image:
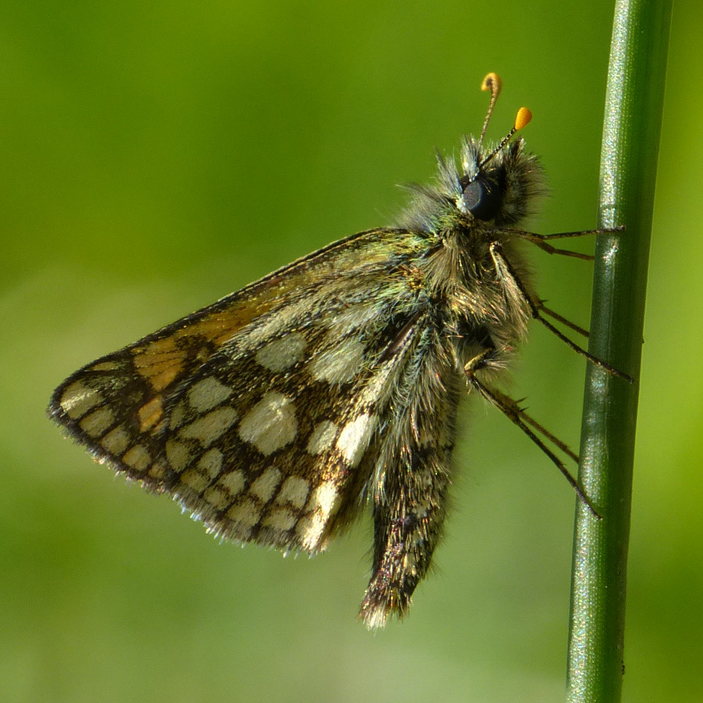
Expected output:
{"points": [[277, 413]]}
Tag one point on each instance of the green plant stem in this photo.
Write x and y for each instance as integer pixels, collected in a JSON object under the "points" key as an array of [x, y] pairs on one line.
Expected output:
{"points": [[628, 169]]}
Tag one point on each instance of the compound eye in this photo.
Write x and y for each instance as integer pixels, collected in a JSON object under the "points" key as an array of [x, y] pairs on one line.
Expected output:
{"points": [[482, 198]]}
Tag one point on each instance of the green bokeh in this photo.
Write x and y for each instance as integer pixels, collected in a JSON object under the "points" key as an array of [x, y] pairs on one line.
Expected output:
{"points": [[156, 156]]}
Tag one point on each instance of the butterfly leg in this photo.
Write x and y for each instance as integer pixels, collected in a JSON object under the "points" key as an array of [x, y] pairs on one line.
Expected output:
{"points": [[511, 409], [542, 240], [507, 272]]}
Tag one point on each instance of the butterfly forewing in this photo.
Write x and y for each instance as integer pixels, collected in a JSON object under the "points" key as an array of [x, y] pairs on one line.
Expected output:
{"points": [[256, 412]]}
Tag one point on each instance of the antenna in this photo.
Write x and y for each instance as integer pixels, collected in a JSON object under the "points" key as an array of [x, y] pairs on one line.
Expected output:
{"points": [[494, 83]]}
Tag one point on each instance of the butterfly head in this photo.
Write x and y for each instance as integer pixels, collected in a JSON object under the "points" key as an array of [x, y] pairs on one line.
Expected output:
{"points": [[494, 180], [494, 184], [497, 184]]}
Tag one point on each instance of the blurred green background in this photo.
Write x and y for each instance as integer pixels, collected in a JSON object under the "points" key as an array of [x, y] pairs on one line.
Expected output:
{"points": [[155, 156]]}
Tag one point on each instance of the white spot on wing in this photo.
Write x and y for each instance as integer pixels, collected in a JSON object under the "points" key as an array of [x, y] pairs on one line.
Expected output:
{"points": [[233, 482], [281, 354], [348, 319], [137, 457], [264, 486], [279, 519], [228, 487], [323, 499], [294, 491], [322, 437], [324, 502], [210, 427], [78, 399], [206, 394], [211, 462], [158, 470], [178, 415], [195, 479], [270, 424], [354, 438], [178, 455], [310, 529], [115, 441], [245, 512], [97, 422], [338, 364]]}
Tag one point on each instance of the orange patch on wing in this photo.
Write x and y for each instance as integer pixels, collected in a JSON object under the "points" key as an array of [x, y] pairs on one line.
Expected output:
{"points": [[150, 414], [161, 362], [219, 326]]}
